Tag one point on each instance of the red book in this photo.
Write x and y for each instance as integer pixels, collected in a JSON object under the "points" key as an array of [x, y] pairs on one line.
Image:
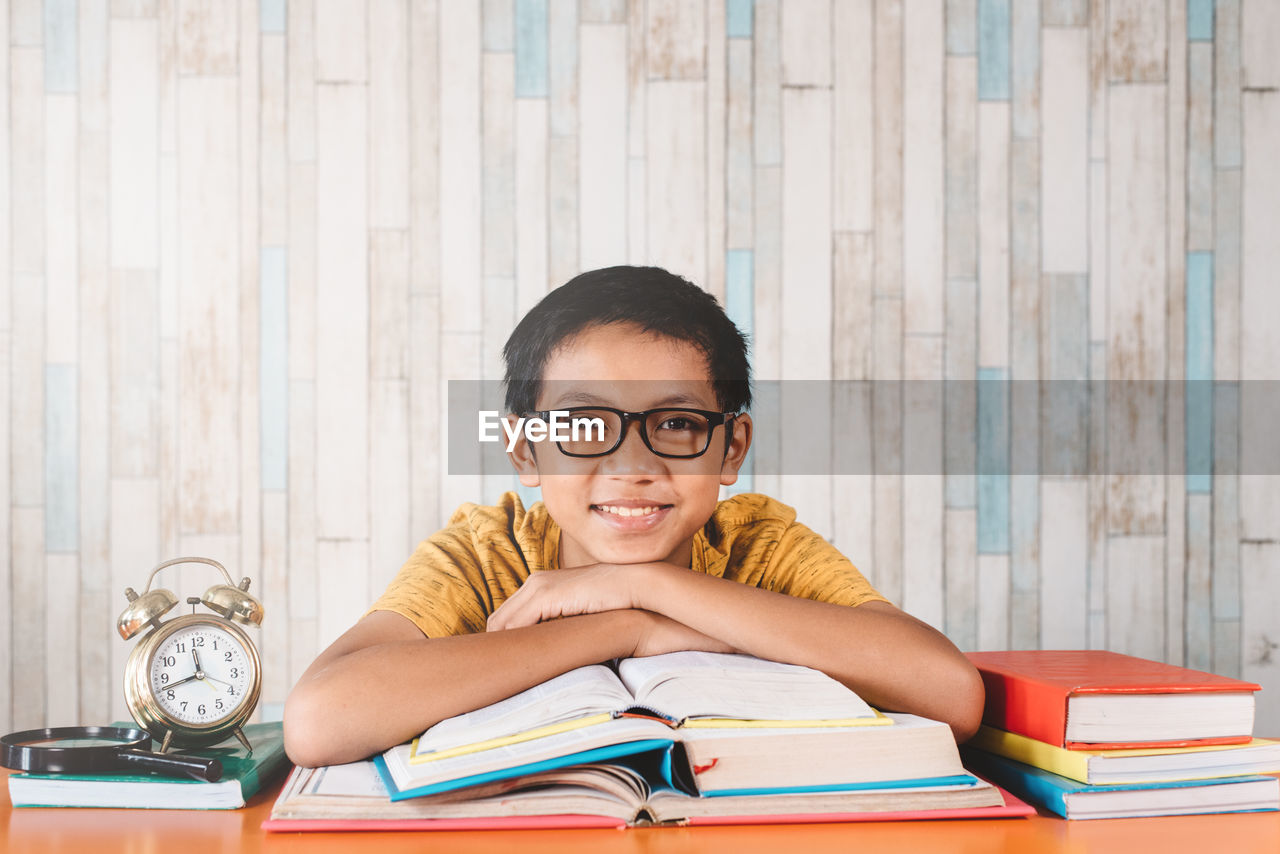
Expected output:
{"points": [[1011, 808], [1099, 700]]}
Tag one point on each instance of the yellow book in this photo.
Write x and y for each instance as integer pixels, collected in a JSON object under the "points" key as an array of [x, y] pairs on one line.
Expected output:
{"points": [[1144, 765], [698, 690]]}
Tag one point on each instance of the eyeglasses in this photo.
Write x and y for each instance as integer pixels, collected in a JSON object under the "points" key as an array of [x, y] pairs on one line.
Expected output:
{"points": [[597, 431]]}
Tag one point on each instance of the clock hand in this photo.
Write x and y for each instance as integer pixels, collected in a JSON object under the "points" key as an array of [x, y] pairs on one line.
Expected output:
{"points": [[190, 678], [208, 678]]}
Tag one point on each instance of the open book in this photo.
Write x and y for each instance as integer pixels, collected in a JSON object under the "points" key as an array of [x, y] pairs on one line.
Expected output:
{"points": [[603, 794], [725, 724], [682, 689], [686, 737]]}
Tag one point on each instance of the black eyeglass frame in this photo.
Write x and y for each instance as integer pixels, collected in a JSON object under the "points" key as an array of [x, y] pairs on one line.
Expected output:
{"points": [[714, 420]]}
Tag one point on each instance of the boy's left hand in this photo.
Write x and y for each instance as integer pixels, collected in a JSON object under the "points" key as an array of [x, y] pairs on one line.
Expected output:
{"points": [[568, 592]]}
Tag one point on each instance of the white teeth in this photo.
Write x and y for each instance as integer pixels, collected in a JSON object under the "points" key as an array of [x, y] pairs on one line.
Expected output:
{"points": [[627, 511]]}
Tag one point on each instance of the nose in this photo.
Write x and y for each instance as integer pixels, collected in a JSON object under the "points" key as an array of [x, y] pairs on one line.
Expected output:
{"points": [[632, 457]]}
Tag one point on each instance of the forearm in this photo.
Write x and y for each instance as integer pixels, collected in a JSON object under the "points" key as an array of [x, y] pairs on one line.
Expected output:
{"points": [[892, 660], [376, 696]]}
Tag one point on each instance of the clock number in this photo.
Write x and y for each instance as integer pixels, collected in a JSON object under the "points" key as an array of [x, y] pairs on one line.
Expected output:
{"points": [[197, 641], [164, 678], [215, 644], [231, 689], [200, 709], [184, 705], [182, 647], [168, 660], [169, 694], [218, 703], [235, 673], [226, 656]]}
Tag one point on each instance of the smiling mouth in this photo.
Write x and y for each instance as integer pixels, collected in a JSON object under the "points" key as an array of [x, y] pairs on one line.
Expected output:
{"points": [[630, 512]]}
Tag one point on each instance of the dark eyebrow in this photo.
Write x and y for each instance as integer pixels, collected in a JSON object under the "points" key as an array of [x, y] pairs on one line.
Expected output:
{"points": [[685, 400], [580, 398], [583, 398]]}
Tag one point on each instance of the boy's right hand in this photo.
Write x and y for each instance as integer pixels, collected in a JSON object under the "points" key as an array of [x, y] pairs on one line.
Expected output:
{"points": [[659, 635]]}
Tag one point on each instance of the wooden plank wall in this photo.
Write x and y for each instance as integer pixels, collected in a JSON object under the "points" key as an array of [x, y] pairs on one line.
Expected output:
{"points": [[244, 243]]}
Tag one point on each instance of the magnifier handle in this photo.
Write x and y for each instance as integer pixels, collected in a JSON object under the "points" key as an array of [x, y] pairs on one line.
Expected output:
{"points": [[174, 765]]}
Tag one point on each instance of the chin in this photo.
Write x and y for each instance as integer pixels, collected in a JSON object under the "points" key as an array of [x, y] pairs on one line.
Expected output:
{"points": [[623, 555]]}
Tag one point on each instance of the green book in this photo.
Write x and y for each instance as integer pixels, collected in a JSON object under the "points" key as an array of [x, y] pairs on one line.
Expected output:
{"points": [[243, 774]]}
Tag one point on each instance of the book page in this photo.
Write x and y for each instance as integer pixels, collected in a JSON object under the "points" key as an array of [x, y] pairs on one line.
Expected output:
{"points": [[718, 685], [586, 691], [667, 805], [356, 792], [623, 784], [355, 779]]}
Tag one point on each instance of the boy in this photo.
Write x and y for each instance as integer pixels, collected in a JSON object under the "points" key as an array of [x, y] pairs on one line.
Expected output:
{"points": [[628, 553]]}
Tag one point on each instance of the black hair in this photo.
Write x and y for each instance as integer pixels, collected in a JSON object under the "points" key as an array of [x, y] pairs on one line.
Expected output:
{"points": [[649, 297]]}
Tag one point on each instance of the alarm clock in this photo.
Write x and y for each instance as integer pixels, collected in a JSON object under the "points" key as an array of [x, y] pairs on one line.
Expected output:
{"points": [[193, 680]]}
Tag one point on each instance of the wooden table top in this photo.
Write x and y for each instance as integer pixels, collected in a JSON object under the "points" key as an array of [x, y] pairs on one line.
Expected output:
{"points": [[104, 831]]}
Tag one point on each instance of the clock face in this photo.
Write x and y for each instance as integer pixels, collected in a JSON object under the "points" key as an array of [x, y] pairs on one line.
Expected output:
{"points": [[201, 674]]}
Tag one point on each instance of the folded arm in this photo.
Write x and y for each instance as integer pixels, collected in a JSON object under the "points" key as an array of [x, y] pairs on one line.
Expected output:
{"points": [[383, 682], [894, 661]]}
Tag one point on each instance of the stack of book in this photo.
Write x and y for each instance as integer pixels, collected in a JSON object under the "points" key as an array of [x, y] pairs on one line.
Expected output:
{"points": [[685, 738], [243, 774], [1095, 734]]}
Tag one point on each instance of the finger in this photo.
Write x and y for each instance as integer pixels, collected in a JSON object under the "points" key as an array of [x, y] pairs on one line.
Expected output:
{"points": [[513, 604], [522, 614], [497, 620], [512, 613]]}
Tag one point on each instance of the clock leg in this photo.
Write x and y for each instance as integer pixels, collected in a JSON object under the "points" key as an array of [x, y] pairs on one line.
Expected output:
{"points": [[240, 735], [164, 745]]}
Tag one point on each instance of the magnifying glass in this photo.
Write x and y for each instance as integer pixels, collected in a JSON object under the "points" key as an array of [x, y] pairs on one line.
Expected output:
{"points": [[97, 749]]}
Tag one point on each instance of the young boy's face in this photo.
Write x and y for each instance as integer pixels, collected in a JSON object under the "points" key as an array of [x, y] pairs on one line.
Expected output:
{"points": [[663, 501]]}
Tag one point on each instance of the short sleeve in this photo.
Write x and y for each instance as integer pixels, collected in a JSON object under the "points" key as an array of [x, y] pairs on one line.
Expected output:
{"points": [[441, 587], [805, 565]]}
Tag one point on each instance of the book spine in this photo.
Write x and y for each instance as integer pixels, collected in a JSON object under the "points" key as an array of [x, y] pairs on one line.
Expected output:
{"points": [[1066, 763], [1026, 706], [1159, 745], [1018, 779]]}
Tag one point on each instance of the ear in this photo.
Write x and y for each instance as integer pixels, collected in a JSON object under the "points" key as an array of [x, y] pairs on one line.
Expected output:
{"points": [[739, 444], [521, 456]]}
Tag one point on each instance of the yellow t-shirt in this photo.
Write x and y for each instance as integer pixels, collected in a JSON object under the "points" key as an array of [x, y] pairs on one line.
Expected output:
{"points": [[455, 579]]}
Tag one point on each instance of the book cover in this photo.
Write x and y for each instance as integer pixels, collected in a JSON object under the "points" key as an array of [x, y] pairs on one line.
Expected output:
{"points": [[352, 797], [518, 822], [1145, 765], [1011, 807], [393, 779], [1072, 799], [243, 774], [1028, 691]]}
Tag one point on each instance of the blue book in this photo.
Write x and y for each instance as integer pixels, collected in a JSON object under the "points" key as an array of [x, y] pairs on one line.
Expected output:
{"points": [[684, 734], [584, 757], [668, 769], [1075, 800], [730, 761]]}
